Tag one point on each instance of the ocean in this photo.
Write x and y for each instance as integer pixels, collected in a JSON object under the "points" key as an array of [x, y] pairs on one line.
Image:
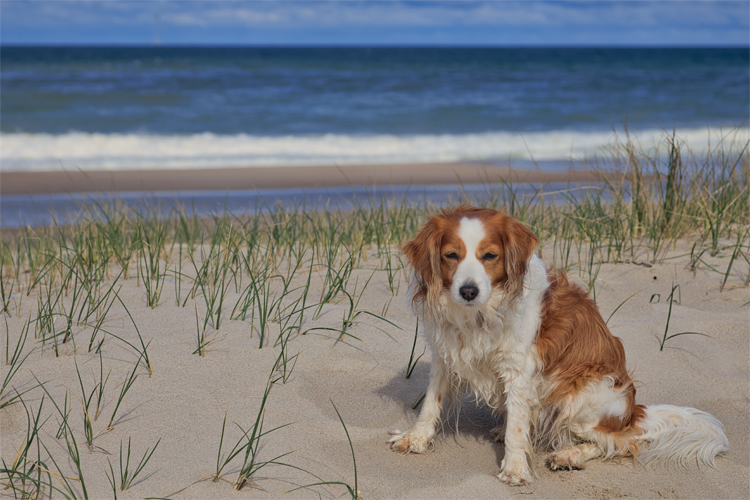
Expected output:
{"points": [[182, 107], [201, 107]]}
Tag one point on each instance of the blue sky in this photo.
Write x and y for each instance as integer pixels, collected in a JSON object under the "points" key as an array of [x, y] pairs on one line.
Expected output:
{"points": [[342, 22]]}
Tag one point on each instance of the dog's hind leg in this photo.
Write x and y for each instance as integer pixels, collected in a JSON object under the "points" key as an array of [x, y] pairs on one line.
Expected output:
{"points": [[418, 439], [573, 457], [603, 419]]}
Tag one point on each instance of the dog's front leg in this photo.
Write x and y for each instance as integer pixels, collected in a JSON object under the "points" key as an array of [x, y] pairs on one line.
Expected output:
{"points": [[418, 439], [515, 469]]}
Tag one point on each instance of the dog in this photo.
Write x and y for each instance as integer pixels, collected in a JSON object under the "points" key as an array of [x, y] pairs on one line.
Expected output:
{"points": [[524, 340]]}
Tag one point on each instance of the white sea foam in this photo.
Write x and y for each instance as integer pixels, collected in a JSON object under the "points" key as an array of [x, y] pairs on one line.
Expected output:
{"points": [[86, 151]]}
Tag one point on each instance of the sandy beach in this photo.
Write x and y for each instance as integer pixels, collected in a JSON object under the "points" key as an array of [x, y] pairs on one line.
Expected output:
{"points": [[12, 183], [224, 326], [184, 401]]}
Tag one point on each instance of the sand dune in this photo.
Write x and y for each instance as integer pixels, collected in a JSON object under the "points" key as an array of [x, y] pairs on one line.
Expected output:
{"points": [[185, 400]]}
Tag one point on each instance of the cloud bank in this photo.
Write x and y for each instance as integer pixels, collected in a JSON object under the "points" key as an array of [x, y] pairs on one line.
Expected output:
{"points": [[365, 22]]}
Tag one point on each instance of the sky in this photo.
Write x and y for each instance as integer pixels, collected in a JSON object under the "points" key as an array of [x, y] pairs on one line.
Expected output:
{"points": [[349, 22]]}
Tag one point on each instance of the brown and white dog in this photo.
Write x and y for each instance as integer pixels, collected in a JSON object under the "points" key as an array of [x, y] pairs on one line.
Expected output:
{"points": [[527, 342]]}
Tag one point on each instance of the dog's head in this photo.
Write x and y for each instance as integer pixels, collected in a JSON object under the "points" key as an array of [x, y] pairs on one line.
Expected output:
{"points": [[469, 252]]}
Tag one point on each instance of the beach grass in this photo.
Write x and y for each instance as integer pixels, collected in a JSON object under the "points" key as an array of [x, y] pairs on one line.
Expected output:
{"points": [[283, 270], [128, 472], [671, 300], [248, 447]]}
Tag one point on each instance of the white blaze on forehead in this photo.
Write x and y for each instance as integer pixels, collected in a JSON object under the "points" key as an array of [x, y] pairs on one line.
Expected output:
{"points": [[470, 270], [471, 232]]}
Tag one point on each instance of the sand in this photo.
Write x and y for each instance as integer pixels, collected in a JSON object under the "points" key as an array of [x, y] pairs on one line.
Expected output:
{"points": [[74, 181], [185, 400]]}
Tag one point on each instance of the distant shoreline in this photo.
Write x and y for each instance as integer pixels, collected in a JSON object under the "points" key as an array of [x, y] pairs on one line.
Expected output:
{"points": [[56, 182]]}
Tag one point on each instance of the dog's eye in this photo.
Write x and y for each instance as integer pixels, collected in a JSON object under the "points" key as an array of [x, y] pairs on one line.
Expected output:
{"points": [[451, 255], [489, 256]]}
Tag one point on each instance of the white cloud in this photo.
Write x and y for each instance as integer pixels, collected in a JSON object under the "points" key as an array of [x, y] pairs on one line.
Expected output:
{"points": [[663, 18], [466, 13]]}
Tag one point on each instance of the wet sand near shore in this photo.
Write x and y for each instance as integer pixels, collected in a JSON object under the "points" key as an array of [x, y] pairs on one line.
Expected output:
{"points": [[15, 183]]}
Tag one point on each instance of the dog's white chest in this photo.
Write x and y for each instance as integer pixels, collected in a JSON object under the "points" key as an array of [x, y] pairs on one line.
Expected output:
{"points": [[479, 357]]}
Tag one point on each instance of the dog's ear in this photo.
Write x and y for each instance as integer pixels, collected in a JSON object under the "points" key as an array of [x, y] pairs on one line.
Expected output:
{"points": [[423, 253], [519, 244]]}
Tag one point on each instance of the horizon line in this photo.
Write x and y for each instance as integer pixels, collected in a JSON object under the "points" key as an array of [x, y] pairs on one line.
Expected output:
{"points": [[375, 45]]}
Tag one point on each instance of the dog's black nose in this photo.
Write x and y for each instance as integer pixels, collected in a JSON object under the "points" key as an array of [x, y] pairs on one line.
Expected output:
{"points": [[469, 292]]}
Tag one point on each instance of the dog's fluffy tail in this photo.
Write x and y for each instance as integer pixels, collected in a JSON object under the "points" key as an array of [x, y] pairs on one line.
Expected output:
{"points": [[682, 435]]}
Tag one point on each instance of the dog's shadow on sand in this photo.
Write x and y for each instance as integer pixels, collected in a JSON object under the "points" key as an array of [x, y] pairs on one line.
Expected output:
{"points": [[463, 418]]}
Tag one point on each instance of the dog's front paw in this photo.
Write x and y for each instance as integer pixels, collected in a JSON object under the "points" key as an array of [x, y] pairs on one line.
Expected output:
{"points": [[405, 442], [569, 458], [515, 473], [514, 479]]}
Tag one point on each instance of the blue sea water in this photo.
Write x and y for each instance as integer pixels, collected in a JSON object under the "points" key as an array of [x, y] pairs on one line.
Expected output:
{"points": [[400, 91], [145, 107], [196, 107]]}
